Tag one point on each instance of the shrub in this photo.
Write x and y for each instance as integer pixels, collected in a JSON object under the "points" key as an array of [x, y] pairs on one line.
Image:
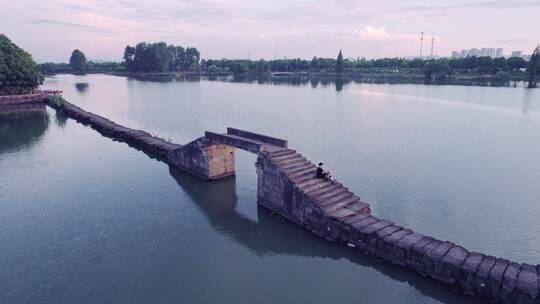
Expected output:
{"points": [[58, 100], [19, 74]]}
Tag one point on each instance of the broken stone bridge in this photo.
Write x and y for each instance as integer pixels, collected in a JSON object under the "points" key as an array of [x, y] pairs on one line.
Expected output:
{"points": [[287, 185]]}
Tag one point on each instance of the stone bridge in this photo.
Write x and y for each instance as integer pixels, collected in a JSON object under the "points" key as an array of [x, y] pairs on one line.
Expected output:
{"points": [[286, 181], [288, 187]]}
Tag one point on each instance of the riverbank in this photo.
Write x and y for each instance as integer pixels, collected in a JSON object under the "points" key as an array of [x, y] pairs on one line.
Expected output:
{"points": [[9, 102]]}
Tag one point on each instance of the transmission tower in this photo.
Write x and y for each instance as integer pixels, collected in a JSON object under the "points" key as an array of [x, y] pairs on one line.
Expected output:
{"points": [[432, 42], [421, 43]]}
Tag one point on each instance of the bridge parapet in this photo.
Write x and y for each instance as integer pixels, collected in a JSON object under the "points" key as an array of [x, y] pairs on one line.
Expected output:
{"points": [[258, 137]]}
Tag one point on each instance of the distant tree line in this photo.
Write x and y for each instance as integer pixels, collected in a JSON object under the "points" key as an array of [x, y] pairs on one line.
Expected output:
{"points": [[19, 74], [485, 65], [160, 57]]}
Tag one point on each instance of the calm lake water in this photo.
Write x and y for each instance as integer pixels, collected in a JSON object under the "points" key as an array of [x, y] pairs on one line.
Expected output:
{"points": [[84, 219]]}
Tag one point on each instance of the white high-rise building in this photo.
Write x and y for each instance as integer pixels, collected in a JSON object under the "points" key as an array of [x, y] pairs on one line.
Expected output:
{"points": [[483, 52], [474, 52]]}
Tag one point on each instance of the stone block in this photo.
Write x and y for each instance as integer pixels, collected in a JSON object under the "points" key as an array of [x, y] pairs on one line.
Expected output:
{"points": [[364, 233], [365, 222], [258, 137], [433, 258], [401, 251], [415, 257], [527, 284], [467, 272], [496, 276], [374, 242], [481, 279], [508, 289], [448, 268], [423, 256], [385, 245]]}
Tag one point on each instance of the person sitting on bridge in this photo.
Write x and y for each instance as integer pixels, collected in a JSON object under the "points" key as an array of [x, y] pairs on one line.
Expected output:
{"points": [[321, 173]]}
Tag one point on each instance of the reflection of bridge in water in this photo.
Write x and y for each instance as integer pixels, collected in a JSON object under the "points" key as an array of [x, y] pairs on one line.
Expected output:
{"points": [[287, 186], [268, 236]]}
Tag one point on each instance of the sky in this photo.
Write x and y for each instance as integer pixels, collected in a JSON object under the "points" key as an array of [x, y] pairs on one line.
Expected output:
{"points": [[51, 29]]}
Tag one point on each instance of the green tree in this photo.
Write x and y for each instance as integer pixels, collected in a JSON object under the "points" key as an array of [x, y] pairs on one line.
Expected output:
{"points": [[533, 68], [129, 58], [515, 63], [77, 61], [339, 63], [160, 57], [19, 74], [438, 70]]}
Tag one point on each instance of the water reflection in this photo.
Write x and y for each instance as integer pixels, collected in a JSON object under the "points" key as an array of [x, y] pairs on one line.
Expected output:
{"points": [[81, 87], [22, 127], [60, 119], [271, 236], [323, 80]]}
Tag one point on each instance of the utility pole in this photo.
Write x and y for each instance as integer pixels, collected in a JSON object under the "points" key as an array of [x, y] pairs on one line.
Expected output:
{"points": [[432, 42], [421, 43]]}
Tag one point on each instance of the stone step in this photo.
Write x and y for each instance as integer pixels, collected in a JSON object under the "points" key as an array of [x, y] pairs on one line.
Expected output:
{"points": [[310, 183], [301, 163], [338, 205], [358, 206], [341, 213], [346, 202], [282, 152], [294, 170], [370, 220], [310, 171], [290, 161], [355, 218], [325, 196], [280, 158], [316, 186], [330, 200], [305, 179], [324, 190]]}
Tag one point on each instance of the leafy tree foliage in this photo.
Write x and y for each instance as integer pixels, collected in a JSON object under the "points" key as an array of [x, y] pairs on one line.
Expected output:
{"points": [[339, 63], [77, 61], [516, 63], [533, 68], [160, 57], [438, 70], [19, 73]]}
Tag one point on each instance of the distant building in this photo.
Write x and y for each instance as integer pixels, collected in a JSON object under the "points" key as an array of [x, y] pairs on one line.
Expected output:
{"points": [[483, 52], [517, 54], [474, 52]]}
